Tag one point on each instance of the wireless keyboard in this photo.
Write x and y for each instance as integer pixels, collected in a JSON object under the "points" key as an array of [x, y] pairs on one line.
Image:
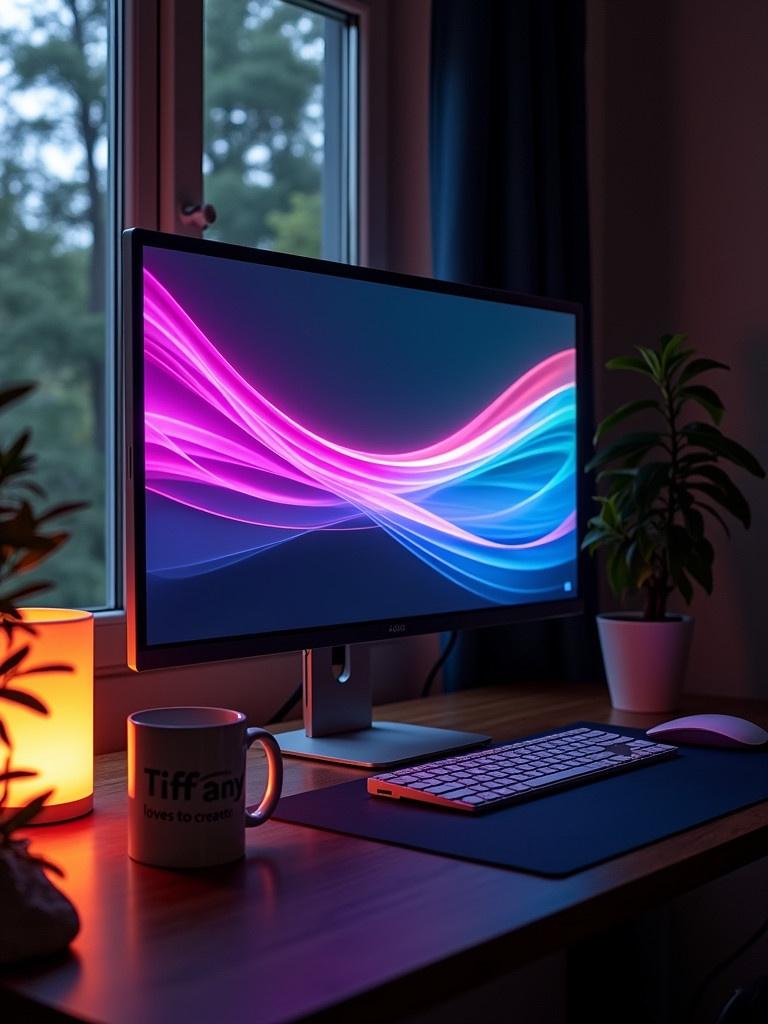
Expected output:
{"points": [[494, 777]]}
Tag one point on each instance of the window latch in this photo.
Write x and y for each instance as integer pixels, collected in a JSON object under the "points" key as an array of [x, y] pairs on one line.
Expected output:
{"points": [[197, 215]]}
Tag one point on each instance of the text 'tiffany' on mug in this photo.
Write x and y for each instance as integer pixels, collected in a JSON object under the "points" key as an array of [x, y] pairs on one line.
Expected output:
{"points": [[186, 785]]}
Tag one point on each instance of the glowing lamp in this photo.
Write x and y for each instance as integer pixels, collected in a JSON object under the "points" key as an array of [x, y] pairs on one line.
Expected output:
{"points": [[57, 746]]}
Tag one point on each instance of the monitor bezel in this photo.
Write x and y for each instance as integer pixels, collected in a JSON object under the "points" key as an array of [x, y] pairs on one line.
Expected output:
{"points": [[142, 655]]}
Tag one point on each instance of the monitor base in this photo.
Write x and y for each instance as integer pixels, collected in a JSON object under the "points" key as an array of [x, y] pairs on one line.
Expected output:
{"points": [[381, 745]]}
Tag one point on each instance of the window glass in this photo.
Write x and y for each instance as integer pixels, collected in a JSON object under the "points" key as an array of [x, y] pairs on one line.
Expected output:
{"points": [[277, 121], [53, 266]]}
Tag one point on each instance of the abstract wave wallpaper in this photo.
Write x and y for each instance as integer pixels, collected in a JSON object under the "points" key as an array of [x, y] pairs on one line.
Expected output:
{"points": [[320, 450]]}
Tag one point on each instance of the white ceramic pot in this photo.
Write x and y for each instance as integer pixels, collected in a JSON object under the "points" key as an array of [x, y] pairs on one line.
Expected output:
{"points": [[645, 662]]}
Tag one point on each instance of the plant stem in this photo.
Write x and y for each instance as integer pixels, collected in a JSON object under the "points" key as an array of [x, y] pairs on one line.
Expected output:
{"points": [[661, 587]]}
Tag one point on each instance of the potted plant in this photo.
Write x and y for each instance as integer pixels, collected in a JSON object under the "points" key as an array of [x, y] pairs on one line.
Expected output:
{"points": [[38, 919], [665, 486]]}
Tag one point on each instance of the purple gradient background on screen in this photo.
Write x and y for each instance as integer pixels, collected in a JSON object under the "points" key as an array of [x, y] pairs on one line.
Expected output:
{"points": [[322, 451]]}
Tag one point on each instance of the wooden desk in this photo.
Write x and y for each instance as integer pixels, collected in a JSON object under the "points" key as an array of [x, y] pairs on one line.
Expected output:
{"points": [[313, 924]]}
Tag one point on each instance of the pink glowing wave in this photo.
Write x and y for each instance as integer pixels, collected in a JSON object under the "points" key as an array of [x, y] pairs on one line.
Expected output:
{"points": [[490, 506]]}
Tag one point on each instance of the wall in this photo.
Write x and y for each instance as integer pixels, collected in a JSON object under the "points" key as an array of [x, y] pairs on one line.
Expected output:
{"points": [[679, 157], [397, 168]]}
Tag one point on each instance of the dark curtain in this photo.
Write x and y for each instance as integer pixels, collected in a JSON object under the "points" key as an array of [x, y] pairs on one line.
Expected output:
{"points": [[509, 210]]}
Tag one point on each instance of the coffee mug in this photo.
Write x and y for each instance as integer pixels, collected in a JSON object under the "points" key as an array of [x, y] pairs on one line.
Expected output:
{"points": [[186, 785]]}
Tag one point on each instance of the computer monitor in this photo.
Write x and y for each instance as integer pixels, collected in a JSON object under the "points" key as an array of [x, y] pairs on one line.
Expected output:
{"points": [[321, 455]]}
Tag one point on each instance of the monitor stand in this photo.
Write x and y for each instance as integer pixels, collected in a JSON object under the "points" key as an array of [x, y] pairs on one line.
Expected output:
{"points": [[338, 718]]}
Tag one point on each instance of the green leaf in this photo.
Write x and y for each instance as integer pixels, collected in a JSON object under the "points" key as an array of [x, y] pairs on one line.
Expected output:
{"points": [[715, 515], [701, 573], [30, 560], [15, 659], [683, 584], [11, 394], [706, 550], [610, 513], [595, 537], [38, 669], [33, 488], [691, 459], [25, 815], [670, 345], [694, 522], [628, 363], [629, 409], [698, 563], [9, 776], [14, 453], [618, 573], [62, 510], [737, 506], [651, 359], [631, 554], [20, 697], [720, 478], [677, 361], [631, 445], [651, 479], [592, 542], [708, 399], [713, 440], [678, 542], [697, 366], [624, 475]]}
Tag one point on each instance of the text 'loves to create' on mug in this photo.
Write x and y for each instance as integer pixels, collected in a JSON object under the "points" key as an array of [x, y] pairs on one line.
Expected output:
{"points": [[186, 785]]}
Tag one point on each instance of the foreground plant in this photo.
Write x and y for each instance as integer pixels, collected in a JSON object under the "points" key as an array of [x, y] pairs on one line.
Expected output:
{"points": [[666, 485], [26, 540]]}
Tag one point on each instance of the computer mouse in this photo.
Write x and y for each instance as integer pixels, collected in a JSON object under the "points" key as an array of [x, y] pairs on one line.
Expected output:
{"points": [[710, 731]]}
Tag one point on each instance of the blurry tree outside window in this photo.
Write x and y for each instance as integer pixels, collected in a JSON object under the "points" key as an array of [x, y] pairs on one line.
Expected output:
{"points": [[53, 259], [271, 166]]}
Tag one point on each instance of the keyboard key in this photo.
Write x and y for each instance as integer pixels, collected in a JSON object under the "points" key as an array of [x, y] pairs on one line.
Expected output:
{"points": [[459, 794], [548, 780]]}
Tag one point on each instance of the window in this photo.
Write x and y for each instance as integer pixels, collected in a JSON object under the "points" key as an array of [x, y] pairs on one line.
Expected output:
{"points": [[55, 249], [278, 120], [249, 103]]}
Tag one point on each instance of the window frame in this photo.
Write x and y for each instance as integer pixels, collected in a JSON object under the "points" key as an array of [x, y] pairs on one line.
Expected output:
{"points": [[164, 109]]}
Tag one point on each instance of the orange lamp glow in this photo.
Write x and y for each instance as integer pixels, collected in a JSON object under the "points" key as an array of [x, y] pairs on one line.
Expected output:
{"points": [[57, 746]]}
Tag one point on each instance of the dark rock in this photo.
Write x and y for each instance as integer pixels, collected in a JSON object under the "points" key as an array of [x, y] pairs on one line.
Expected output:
{"points": [[36, 918]]}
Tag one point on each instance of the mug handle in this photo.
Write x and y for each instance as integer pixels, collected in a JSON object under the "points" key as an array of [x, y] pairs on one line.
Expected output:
{"points": [[274, 788]]}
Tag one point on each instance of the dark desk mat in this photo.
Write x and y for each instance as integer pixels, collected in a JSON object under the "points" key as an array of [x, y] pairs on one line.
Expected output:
{"points": [[557, 834]]}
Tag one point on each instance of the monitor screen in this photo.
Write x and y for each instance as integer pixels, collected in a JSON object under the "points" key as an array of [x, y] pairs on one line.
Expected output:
{"points": [[319, 449]]}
